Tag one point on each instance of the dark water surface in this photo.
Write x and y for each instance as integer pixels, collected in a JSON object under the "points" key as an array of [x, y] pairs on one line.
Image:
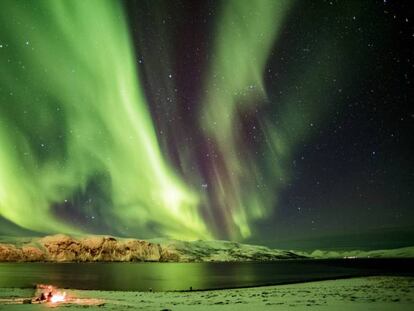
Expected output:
{"points": [[180, 276]]}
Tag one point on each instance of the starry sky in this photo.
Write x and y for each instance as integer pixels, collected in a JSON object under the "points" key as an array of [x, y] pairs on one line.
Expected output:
{"points": [[285, 123]]}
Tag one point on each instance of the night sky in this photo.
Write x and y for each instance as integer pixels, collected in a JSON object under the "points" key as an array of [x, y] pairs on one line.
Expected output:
{"points": [[284, 123]]}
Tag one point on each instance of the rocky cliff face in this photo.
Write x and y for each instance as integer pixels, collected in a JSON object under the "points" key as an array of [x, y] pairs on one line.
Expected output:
{"points": [[63, 248], [98, 248], [9, 252]]}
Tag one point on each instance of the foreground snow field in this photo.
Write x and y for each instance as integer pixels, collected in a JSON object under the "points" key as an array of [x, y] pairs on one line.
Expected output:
{"points": [[369, 293]]}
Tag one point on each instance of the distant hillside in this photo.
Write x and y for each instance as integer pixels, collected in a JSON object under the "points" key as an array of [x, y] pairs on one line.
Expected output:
{"points": [[220, 251], [405, 252], [64, 248]]}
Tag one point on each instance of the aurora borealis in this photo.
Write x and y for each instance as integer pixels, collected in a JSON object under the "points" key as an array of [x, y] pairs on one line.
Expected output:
{"points": [[93, 121], [207, 120]]}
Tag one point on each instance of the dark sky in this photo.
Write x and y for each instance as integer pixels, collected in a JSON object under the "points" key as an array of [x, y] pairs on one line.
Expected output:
{"points": [[355, 176]]}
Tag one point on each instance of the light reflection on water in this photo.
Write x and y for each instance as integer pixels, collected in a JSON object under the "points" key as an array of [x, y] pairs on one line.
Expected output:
{"points": [[182, 276]]}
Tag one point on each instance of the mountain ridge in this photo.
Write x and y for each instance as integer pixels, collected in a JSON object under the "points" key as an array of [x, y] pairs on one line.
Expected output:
{"points": [[102, 248]]}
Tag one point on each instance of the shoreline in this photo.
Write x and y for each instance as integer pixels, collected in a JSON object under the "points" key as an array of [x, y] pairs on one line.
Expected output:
{"points": [[358, 293], [199, 277], [300, 259], [306, 281]]}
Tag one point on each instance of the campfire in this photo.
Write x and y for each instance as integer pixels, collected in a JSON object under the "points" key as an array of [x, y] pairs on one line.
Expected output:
{"points": [[52, 296], [58, 297], [47, 293]]}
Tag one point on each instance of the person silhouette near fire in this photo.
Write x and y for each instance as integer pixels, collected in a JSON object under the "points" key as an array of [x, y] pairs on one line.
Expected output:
{"points": [[49, 296]]}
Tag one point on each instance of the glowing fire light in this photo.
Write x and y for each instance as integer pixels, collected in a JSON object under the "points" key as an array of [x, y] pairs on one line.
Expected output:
{"points": [[58, 297]]}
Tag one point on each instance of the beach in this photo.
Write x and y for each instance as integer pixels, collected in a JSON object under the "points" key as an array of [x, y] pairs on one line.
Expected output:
{"points": [[364, 293]]}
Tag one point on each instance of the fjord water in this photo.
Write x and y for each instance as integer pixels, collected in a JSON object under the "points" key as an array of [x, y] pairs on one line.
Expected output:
{"points": [[182, 276]]}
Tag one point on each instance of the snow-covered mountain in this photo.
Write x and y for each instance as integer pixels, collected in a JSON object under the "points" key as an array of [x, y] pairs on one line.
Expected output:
{"points": [[64, 248], [221, 251], [405, 252]]}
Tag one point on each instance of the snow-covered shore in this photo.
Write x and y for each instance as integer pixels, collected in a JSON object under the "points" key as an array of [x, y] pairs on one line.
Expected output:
{"points": [[368, 293]]}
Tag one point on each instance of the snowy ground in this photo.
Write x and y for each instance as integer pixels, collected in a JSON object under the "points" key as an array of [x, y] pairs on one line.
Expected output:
{"points": [[369, 293]]}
